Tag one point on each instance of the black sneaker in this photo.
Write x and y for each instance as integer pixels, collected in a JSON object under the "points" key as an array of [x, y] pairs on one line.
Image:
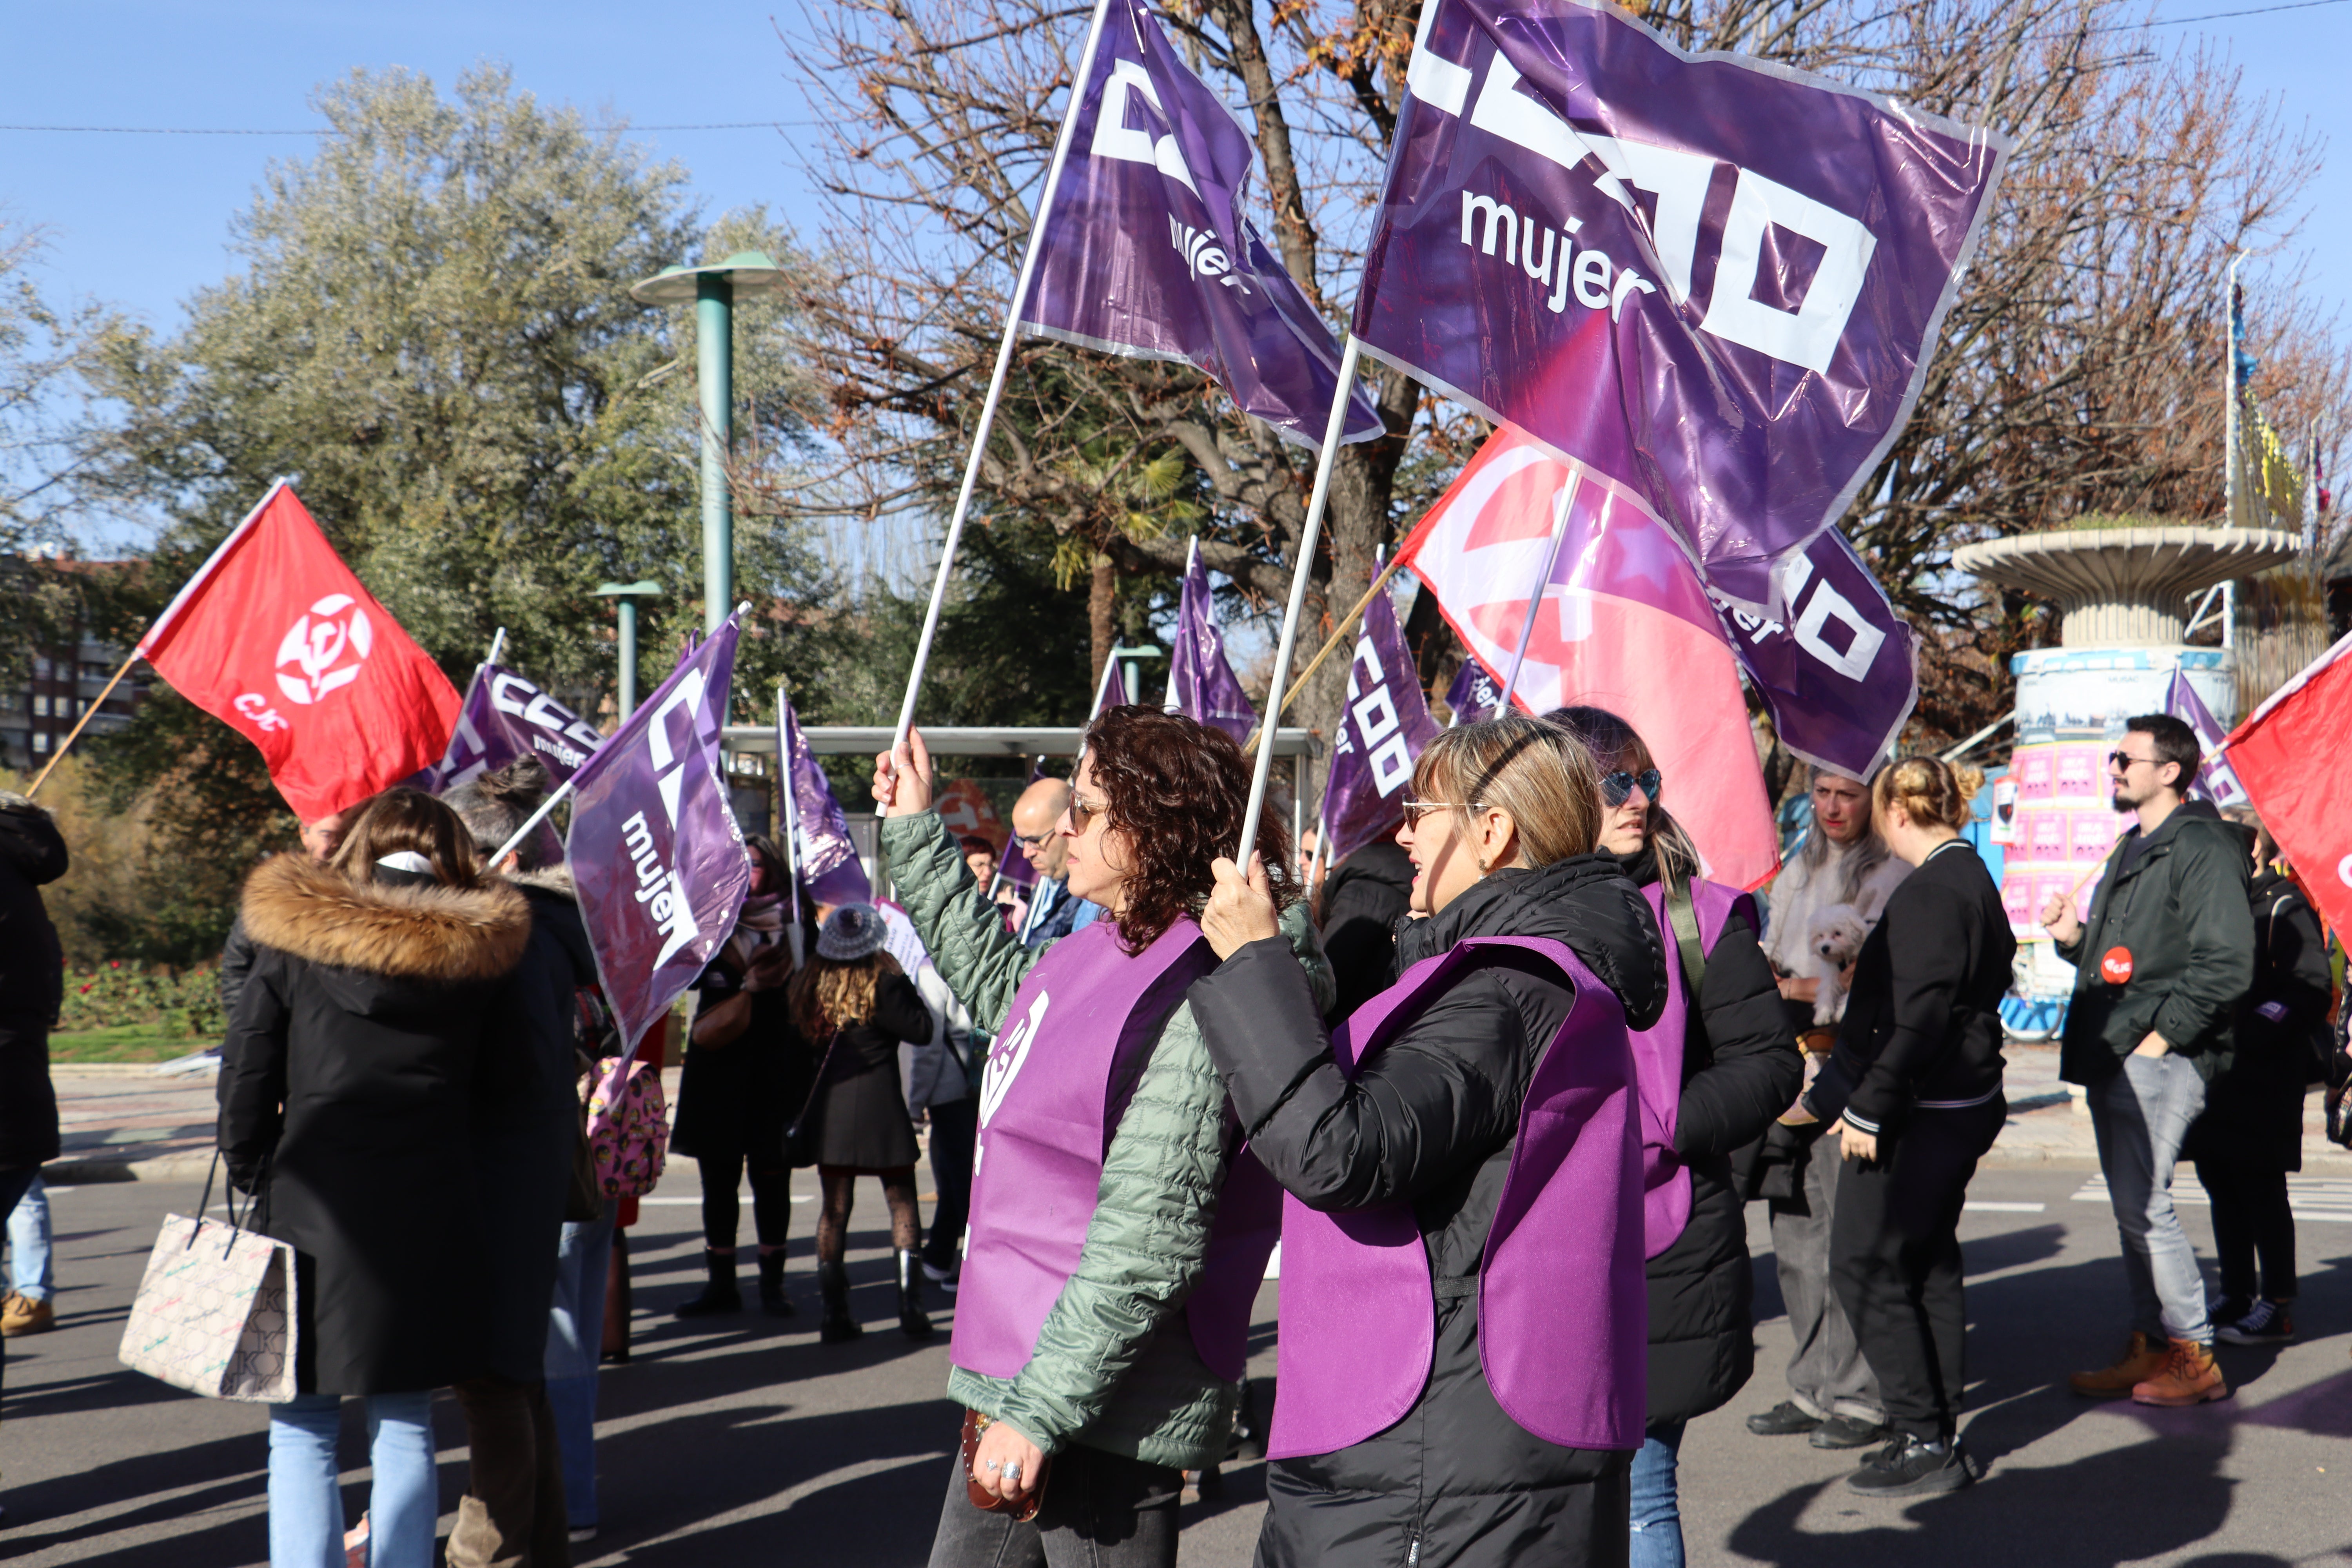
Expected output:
{"points": [[1848, 1432], [1783, 1420], [2263, 1323], [1914, 1469]]}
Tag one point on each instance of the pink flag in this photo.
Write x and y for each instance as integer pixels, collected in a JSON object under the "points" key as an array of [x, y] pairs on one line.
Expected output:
{"points": [[1624, 625]]}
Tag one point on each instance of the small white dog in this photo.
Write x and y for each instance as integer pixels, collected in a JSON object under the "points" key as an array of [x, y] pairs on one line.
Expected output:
{"points": [[1835, 941]]}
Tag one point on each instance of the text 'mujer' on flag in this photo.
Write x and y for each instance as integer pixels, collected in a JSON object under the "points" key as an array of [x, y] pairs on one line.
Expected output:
{"points": [[1146, 249], [653, 849], [1714, 282]]}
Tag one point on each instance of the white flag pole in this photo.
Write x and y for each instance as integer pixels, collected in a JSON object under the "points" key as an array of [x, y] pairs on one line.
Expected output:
{"points": [[498, 645], [1191, 554], [1302, 567], [788, 807], [1102, 690], [1543, 583], [996, 381]]}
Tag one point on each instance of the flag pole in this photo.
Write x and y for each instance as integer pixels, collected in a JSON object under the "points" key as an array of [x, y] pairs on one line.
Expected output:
{"points": [[1302, 568], [788, 807], [86, 715], [1191, 554], [1331, 644], [1534, 601], [498, 645], [996, 381], [1102, 690]]}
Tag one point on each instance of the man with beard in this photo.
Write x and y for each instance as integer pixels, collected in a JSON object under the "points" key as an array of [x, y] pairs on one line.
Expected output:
{"points": [[2162, 958]]}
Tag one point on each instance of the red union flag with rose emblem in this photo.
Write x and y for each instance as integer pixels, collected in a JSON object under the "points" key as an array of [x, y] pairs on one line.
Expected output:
{"points": [[277, 639]]}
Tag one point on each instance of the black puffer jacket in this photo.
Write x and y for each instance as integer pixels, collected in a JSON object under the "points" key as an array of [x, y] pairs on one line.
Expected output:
{"points": [[1433, 1121], [32, 981], [2253, 1108], [1363, 898], [1741, 1070]]}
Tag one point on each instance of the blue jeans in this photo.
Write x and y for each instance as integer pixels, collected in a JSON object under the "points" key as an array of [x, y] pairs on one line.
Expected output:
{"points": [[2139, 1116], [575, 1340], [1656, 1513], [12, 1187], [32, 1271], [306, 1501]]}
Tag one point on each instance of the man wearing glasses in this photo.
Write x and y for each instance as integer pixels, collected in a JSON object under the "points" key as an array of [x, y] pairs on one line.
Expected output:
{"points": [[1054, 910], [2161, 961]]}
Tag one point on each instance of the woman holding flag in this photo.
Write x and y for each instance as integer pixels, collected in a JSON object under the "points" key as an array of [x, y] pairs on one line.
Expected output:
{"points": [[1117, 1235], [1462, 1354]]}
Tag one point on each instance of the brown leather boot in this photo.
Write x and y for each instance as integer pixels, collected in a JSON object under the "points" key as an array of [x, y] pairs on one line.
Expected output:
{"points": [[2143, 1359], [2189, 1377]]}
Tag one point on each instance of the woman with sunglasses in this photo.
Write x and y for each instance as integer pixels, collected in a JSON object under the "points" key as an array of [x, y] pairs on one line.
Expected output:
{"points": [[1714, 1072], [1118, 1236], [1461, 1298]]}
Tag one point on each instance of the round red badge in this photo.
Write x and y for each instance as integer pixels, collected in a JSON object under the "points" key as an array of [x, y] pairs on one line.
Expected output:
{"points": [[2116, 966]]}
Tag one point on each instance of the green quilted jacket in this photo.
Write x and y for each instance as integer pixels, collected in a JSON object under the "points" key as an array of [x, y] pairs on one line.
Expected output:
{"points": [[1115, 1367]]}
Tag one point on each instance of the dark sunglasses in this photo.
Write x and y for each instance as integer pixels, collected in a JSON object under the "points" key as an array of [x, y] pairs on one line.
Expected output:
{"points": [[1617, 788], [2124, 761]]}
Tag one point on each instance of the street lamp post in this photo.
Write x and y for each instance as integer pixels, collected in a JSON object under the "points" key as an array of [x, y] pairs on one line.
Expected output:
{"points": [[627, 595], [713, 291]]}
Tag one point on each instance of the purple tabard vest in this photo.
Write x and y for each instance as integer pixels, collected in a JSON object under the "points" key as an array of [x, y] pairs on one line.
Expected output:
{"points": [[1563, 1312], [1658, 1063], [1046, 1118]]}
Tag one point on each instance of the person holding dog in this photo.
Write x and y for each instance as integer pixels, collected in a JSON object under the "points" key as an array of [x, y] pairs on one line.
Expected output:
{"points": [[1833, 1398]]}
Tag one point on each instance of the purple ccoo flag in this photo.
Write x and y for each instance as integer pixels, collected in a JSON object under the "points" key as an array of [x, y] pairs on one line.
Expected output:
{"points": [[1200, 684], [504, 716], [653, 849], [1475, 694], [1146, 252], [1383, 732], [1840, 676], [1713, 282], [2216, 781], [823, 851]]}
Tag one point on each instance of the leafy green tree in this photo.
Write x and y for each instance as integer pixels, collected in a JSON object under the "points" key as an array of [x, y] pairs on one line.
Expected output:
{"points": [[430, 331]]}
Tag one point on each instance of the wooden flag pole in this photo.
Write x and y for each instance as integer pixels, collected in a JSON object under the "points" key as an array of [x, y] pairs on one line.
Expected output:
{"points": [[86, 715], [1302, 568], [1331, 644], [996, 380]]}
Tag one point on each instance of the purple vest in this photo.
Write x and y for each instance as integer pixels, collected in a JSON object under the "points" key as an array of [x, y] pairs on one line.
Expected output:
{"points": [[1563, 1311], [1658, 1065], [1046, 1118]]}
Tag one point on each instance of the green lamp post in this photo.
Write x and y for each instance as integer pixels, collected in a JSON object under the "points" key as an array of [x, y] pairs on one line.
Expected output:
{"points": [[713, 290], [627, 595]]}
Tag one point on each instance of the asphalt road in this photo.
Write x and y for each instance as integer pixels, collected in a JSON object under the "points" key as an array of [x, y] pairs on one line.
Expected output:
{"points": [[751, 1443]]}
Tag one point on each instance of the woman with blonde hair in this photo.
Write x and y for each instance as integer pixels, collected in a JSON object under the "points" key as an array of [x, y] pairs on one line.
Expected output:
{"points": [[854, 1008], [1462, 1283], [1913, 1093], [368, 1035]]}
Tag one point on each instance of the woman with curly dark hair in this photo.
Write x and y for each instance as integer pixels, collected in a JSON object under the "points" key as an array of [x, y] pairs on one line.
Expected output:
{"points": [[1118, 1232]]}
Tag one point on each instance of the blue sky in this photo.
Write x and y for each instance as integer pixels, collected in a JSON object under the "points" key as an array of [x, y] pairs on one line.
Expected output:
{"points": [[140, 221]]}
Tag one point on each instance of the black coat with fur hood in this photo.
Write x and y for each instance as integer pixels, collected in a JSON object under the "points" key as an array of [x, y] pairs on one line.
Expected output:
{"points": [[365, 1036]]}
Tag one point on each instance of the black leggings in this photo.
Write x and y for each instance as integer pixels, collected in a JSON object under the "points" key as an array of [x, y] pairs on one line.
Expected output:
{"points": [[2250, 1218], [771, 1202]]}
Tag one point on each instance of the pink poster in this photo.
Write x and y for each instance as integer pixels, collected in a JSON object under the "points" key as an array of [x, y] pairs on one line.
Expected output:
{"points": [[2034, 765], [2077, 776], [2017, 897], [2045, 832], [2093, 834]]}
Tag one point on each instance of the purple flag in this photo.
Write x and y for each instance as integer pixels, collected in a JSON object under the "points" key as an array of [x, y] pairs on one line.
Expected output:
{"points": [[2216, 781], [1383, 730], [823, 851], [1146, 252], [1475, 694], [506, 715], [1713, 283], [654, 848], [1838, 675], [1200, 684]]}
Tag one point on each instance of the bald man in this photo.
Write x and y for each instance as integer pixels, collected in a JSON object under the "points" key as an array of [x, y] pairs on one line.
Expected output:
{"points": [[1054, 913]]}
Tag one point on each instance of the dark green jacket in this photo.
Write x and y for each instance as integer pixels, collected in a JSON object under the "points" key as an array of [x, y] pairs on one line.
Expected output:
{"points": [[2180, 912], [1115, 1367]]}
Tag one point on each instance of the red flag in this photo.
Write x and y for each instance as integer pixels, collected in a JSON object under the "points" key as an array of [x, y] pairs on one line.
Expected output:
{"points": [[277, 639], [1624, 625], [2288, 755]]}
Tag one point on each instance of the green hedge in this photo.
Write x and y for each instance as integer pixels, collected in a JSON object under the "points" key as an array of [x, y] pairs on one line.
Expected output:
{"points": [[181, 1002]]}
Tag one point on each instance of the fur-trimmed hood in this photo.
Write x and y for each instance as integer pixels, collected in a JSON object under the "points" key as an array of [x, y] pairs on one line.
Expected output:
{"points": [[444, 935], [553, 879]]}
